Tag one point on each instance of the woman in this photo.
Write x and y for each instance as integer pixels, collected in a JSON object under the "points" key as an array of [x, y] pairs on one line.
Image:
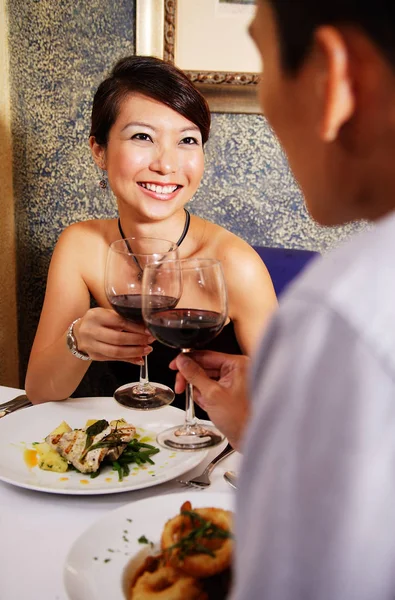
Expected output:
{"points": [[149, 126]]}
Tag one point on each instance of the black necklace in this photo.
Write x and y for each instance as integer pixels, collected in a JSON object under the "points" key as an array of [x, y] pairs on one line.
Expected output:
{"points": [[182, 238], [178, 244]]}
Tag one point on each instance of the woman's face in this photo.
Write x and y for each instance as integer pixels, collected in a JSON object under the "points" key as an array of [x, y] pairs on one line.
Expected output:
{"points": [[154, 158]]}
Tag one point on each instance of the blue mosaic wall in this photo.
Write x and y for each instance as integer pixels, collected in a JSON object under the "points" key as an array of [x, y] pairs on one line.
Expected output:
{"points": [[59, 53], [249, 189]]}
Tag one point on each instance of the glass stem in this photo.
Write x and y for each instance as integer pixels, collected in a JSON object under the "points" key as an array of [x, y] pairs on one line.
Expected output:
{"points": [[190, 420], [144, 372]]}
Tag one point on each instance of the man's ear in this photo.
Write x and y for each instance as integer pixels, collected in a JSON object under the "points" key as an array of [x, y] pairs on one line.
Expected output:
{"points": [[336, 89], [98, 153]]}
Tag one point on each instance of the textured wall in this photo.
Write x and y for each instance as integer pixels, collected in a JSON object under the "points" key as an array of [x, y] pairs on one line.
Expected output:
{"points": [[249, 189], [59, 53]]}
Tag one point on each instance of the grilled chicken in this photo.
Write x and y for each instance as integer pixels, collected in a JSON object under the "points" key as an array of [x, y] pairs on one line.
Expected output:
{"points": [[72, 446], [126, 433]]}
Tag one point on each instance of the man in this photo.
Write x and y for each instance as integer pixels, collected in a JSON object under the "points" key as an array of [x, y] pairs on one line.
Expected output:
{"points": [[315, 515]]}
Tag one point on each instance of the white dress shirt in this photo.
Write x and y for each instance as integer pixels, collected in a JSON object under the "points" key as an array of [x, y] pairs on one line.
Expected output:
{"points": [[316, 500]]}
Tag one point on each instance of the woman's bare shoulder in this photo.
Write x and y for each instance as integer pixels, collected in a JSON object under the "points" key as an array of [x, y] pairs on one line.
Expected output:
{"points": [[84, 243], [238, 258], [251, 294], [85, 231], [222, 243]]}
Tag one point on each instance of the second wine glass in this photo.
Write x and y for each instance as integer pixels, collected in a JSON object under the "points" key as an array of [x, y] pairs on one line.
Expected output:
{"points": [[126, 261], [198, 317]]}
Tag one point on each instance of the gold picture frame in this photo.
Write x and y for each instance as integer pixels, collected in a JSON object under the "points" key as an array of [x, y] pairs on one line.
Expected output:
{"points": [[155, 36]]}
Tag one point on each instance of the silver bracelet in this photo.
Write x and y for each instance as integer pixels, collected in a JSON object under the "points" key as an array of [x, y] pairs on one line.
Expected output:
{"points": [[72, 343]]}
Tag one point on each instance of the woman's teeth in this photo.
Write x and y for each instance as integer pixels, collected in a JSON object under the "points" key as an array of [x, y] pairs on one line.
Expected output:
{"points": [[159, 189]]}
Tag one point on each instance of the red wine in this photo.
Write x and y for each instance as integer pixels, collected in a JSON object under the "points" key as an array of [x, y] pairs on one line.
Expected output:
{"points": [[129, 305], [185, 327]]}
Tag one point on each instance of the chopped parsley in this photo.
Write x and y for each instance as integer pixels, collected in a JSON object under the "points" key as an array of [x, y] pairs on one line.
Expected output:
{"points": [[143, 540]]}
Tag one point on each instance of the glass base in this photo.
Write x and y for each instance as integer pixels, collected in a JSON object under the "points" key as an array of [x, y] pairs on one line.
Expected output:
{"points": [[190, 437], [157, 396]]}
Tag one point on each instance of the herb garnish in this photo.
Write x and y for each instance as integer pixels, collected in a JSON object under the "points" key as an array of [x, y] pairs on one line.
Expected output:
{"points": [[91, 432], [202, 530], [96, 427], [143, 540]]}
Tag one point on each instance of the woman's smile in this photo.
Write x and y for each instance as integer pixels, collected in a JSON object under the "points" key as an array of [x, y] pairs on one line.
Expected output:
{"points": [[159, 191]]}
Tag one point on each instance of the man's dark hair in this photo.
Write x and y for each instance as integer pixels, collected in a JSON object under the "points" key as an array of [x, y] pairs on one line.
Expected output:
{"points": [[297, 20], [150, 77]]}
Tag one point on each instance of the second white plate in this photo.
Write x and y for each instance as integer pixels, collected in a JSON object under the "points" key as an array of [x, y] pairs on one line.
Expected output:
{"points": [[96, 566]]}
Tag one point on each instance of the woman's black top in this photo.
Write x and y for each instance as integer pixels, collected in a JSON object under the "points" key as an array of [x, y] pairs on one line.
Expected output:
{"points": [[103, 378]]}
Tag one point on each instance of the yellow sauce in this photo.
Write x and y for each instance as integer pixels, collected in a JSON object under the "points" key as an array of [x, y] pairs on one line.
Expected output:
{"points": [[108, 479], [30, 458], [63, 478], [146, 439], [84, 481]]}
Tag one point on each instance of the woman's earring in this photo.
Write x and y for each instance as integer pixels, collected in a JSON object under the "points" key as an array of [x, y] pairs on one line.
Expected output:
{"points": [[103, 183]]}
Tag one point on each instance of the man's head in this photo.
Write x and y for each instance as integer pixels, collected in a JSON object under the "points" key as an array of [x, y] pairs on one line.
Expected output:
{"points": [[328, 89]]}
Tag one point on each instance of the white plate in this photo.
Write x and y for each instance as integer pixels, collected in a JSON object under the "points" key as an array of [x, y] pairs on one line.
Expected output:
{"points": [[96, 566], [18, 430]]}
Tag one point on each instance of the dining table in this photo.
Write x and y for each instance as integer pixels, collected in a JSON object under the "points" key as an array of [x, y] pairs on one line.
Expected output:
{"points": [[37, 529]]}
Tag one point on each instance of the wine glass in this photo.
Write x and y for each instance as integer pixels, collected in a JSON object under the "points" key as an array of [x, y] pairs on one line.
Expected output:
{"points": [[195, 320], [126, 261]]}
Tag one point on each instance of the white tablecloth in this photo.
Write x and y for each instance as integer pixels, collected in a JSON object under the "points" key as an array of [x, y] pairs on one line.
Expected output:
{"points": [[37, 529]]}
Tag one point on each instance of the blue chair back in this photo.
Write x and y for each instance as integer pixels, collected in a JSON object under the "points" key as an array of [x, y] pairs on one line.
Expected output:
{"points": [[284, 264]]}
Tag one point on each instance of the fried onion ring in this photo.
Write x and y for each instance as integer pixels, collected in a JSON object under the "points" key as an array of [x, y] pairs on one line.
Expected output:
{"points": [[167, 584], [199, 564]]}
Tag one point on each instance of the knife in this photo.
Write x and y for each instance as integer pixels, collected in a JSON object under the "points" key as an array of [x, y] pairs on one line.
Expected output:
{"points": [[21, 401]]}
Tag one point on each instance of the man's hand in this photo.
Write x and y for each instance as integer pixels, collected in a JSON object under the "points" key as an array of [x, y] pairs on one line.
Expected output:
{"points": [[225, 399]]}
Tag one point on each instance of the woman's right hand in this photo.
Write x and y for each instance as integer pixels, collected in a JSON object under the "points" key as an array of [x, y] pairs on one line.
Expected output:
{"points": [[104, 335]]}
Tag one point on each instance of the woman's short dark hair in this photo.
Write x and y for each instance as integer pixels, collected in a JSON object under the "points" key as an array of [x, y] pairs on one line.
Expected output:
{"points": [[297, 20], [151, 77]]}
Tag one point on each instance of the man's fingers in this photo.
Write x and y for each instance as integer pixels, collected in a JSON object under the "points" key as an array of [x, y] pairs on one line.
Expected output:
{"points": [[180, 384], [208, 359], [195, 375]]}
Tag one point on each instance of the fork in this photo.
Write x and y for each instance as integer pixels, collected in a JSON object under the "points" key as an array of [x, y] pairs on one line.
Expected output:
{"points": [[203, 480]]}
